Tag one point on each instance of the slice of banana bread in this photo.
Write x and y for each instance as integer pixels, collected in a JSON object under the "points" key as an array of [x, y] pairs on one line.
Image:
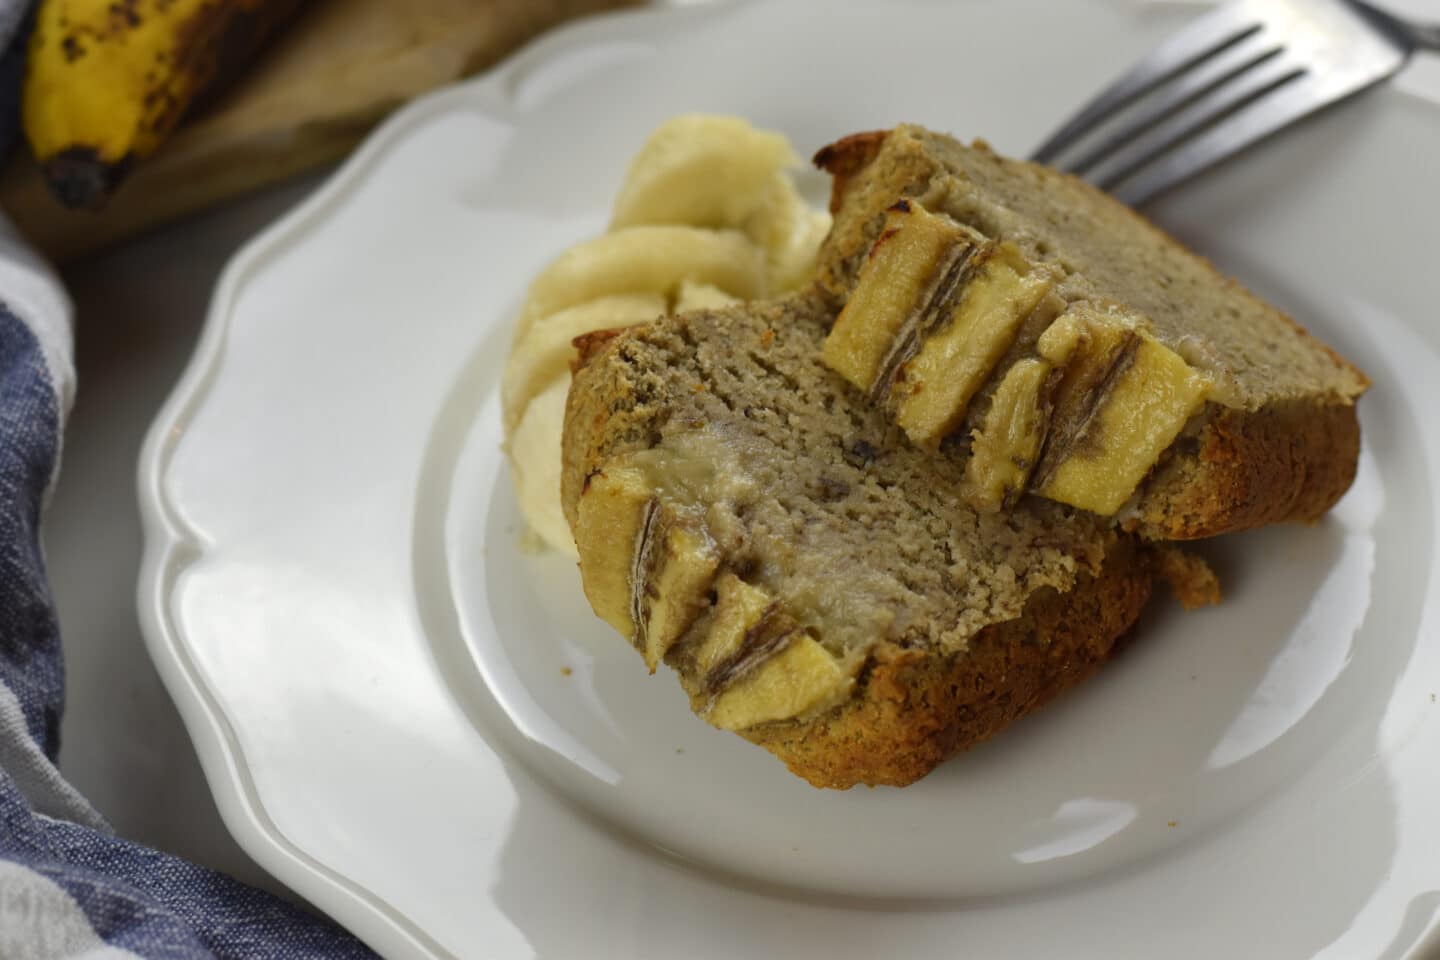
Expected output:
{"points": [[745, 516], [1056, 342]]}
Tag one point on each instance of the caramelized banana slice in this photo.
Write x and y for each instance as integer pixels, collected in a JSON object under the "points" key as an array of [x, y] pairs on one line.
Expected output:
{"points": [[898, 282], [1007, 447], [935, 308], [801, 678], [612, 509], [935, 388], [740, 610], [675, 565], [673, 561], [1123, 398]]}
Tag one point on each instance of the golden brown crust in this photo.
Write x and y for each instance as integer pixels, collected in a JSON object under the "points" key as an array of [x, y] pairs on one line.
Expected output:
{"points": [[858, 204], [1190, 577], [915, 710], [1280, 464], [586, 411], [846, 157], [588, 345]]}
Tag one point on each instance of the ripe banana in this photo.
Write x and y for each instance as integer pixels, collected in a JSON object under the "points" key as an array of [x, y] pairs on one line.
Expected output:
{"points": [[107, 80]]}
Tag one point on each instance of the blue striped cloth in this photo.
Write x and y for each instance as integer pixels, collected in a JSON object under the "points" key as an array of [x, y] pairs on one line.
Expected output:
{"points": [[70, 888]]}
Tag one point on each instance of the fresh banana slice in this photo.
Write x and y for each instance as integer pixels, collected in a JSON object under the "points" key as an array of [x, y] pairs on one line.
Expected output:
{"points": [[649, 259], [543, 353], [535, 466], [789, 231], [705, 171], [701, 296]]}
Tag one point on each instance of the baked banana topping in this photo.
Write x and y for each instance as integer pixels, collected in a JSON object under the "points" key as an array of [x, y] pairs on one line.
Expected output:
{"points": [[1006, 449], [1189, 407], [915, 262], [1122, 399], [935, 309], [756, 662], [801, 679], [998, 291]]}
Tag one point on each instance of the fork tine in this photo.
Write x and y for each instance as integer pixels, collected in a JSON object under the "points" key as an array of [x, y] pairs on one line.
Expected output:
{"points": [[1281, 108], [1214, 73], [1204, 38], [1213, 109]]}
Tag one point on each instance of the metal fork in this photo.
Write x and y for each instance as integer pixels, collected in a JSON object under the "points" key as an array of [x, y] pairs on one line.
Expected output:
{"points": [[1234, 76]]}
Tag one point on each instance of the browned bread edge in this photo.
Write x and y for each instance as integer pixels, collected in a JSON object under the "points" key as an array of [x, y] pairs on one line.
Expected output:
{"points": [[917, 709]]}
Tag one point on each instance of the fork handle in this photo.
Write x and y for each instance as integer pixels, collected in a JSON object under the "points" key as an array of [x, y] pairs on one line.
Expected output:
{"points": [[1425, 35], [1418, 36]]}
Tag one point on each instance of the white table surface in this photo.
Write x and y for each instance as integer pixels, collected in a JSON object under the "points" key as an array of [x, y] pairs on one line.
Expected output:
{"points": [[139, 309]]}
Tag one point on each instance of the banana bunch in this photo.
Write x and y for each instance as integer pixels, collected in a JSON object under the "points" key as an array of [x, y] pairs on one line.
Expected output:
{"points": [[107, 80], [707, 216]]}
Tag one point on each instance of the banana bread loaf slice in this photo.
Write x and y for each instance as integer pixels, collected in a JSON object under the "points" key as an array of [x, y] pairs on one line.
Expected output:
{"points": [[745, 516], [1056, 342]]}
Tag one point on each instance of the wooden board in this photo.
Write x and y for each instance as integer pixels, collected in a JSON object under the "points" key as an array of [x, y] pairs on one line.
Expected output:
{"points": [[339, 68]]}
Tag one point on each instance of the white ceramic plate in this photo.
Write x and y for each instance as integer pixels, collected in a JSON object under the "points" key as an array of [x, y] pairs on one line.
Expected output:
{"points": [[423, 730]]}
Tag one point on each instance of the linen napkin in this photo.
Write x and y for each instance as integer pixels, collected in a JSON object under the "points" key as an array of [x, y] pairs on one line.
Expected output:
{"points": [[70, 888]]}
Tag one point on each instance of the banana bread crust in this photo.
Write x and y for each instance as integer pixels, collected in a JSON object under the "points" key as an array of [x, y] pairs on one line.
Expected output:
{"points": [[1286, 463], [915, 709]]}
